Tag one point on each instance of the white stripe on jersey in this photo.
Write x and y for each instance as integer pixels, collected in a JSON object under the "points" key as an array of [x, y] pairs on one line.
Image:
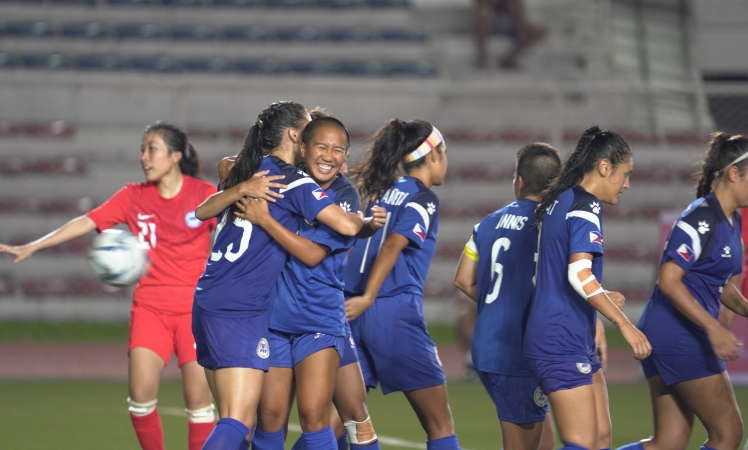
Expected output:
{"points": [[586, 215], [695, 241], [422, 212], [297, 183]]}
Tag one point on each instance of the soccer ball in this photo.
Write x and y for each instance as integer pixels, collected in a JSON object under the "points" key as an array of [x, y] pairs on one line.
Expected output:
{"points": [[117, 258]]}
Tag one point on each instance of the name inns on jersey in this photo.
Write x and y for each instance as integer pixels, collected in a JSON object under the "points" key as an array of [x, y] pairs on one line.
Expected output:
{"points": [[394, 197], [512, 222]]}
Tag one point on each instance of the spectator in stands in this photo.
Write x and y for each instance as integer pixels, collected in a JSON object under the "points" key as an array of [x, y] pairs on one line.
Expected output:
{"points": [[559, 339], [161, 211], [699, 272], [231, 299], [385, 274], [525, 33]]}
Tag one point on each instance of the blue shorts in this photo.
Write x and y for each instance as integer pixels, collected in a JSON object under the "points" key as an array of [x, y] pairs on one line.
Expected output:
{"points": [[231, 341], [518, 399], [394, 348], [290, 349], [350, 355], [559, 375], [676, 368]]}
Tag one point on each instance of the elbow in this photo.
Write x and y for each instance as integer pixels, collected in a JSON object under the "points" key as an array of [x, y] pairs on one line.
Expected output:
{"points": [[200, 214], [350, 229]]}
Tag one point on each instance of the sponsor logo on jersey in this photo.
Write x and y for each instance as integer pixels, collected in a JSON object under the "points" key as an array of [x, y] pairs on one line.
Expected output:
{"points": [[595, 207], [263, 349], [703, 227], [319, 193], [584, 368], [596, 237], [346, 206], [191, 221], [420, 232], [145, 216], [540, 398], [430, 208], [726, 252], [685, 252], [353, 343]]}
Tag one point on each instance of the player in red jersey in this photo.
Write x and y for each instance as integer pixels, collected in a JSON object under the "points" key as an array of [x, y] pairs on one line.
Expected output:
{"points": [[161, 212]]}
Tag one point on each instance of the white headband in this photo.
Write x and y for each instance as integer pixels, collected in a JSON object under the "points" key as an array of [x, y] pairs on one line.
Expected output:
{"points": [[737, 160], [431, 142]]}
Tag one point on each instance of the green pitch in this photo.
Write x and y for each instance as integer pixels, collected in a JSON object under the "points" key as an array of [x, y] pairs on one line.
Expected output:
{"points": [[93, 415]]}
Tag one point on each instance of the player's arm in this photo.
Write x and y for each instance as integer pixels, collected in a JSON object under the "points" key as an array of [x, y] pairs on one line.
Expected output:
{"points": [[224, 166], [259, 186], [467, 274], [733, 299], [373, 223], [345, 223], [392, 246], [586, 285], [303, 249], [71, 230], [670, 282]]}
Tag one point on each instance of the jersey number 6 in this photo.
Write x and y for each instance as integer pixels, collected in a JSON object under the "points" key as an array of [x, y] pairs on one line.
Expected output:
{"points": [[498, 268]]}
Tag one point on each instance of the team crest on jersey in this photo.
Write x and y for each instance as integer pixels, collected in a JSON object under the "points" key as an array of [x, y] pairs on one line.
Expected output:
{"points": [[430, 208], [345, 206], [596, 237], [319, 193], [263, 349], [191, 221], [353, 343], [584, 368], [595, 206], [420, 232], [703, 227], [540, 398], [685, 252]]}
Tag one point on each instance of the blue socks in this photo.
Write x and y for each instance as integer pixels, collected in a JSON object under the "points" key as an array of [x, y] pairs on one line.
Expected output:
{"points": [[263, 440], [704, 447], [323, 439], [634, 446], [343, 442], [569, 446], [228, 433], [445, 443]]}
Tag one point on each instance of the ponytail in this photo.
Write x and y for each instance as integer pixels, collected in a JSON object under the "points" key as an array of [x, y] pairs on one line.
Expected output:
{"points": [[723, 151], [176, 140]]}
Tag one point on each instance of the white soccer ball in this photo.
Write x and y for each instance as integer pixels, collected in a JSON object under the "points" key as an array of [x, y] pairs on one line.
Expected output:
{"points": [[118, 258]]}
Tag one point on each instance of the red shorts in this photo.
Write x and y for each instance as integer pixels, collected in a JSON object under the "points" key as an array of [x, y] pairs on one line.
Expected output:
{"points": [[163, 333]]}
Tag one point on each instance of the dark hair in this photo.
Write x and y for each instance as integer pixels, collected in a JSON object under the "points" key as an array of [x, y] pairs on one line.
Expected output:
{"points": [[384, 161], [723, 149], [176, 140], [593, 146], [538, 164], [264, 135], [321, 121], [318, 111]]}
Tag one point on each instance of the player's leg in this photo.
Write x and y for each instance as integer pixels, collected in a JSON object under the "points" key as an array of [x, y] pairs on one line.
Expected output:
{"points": [[547, 437], [145, 369], [431, 405], [349, 398], [713, 401], [576, 416], [238, 395], [274, 409], [467, 314], [602, 408]]}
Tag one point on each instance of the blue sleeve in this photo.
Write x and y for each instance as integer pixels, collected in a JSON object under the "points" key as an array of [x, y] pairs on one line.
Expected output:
{"points": [[585, 232], [347, 198], [306, 198], [418, 217], [690, 238]]}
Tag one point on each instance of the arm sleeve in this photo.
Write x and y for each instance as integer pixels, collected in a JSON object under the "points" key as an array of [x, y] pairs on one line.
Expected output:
{"points": [[113, 211], [305, 197], [348, 200], [471, 249], [417, 218], [585, 230], [690, 238]]}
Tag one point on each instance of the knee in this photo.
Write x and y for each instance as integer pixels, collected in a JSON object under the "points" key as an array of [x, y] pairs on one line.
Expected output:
{"points": [[604, 437], [201, 415], [141, 409], [358, 413], [272, 419], [313, 419], [730, 433]]}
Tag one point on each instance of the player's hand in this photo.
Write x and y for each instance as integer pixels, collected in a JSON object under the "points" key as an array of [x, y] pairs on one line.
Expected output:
{"points": [[378, 217], [617, 298], [21, 252], [252, 209], [259, 186], [355, 306], [636, 339], [601, 345], [725, 344]]}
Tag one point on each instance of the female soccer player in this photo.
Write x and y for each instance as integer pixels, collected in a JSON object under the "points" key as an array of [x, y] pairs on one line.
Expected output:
{"points": [[700, 268], [229, 314], [161, 211], [559, 337], [386, 273], [306, 314], [497, 270]]}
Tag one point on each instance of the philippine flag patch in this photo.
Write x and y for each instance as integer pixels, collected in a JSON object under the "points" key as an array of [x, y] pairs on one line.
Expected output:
{"points": [[420, 232], [685, 252], [596, 237], [319, 193]]}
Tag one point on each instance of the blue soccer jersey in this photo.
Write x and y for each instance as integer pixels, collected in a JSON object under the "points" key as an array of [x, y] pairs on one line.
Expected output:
{"points": [[310, 299], [245, 261], [412, 211], [561, 324], [504, 246], [708, 248]]}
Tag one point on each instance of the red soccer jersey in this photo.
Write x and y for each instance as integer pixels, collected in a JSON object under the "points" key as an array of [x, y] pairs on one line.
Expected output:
{"points": [[179, 243]]}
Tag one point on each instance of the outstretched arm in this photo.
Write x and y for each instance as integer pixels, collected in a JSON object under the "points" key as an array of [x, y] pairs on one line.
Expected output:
{"points": [[384, 263], [71, 230]]}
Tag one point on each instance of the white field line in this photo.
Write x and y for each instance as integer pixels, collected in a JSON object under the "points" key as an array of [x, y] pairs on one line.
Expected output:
{"points": [[388, 440]]}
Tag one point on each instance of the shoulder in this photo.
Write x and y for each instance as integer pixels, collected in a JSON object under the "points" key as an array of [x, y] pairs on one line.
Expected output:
{"points": [[582, 200], [198, 184], [701, 215]]}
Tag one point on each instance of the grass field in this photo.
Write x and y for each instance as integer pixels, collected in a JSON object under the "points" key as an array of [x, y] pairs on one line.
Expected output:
{"points": [[65, 415]]}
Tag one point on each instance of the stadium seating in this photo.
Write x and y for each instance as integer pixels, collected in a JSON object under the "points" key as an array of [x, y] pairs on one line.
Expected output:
{"points": [[48, 166], [54, 129], [61, 287], [25, 205]]}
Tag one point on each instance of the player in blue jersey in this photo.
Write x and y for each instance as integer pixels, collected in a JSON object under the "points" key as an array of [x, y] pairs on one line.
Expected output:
{"points": [[700, 268], [497, 270], [306, 314], [559, 340], [385, 273], [229, 312]]}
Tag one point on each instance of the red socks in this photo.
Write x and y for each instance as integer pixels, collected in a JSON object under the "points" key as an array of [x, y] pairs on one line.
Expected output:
{"points": [[149, 431], [198, 434]]}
